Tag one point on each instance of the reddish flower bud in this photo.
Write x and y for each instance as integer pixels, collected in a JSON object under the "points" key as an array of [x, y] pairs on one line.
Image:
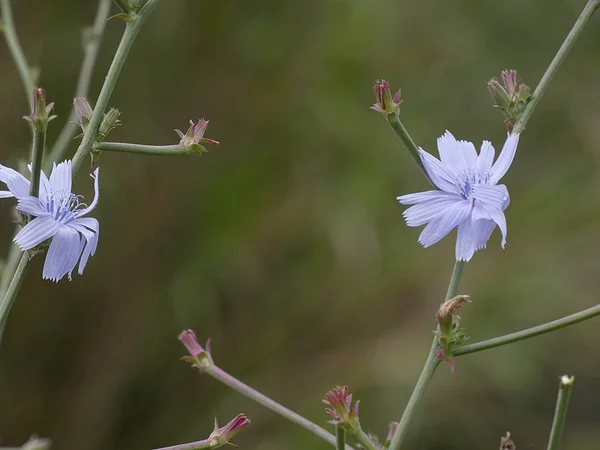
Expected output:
{"points": [[222, 436], [40, 112], [386, 104], [199, 357], [341, 409], [391, 431], [194, 137], [510, 97]]}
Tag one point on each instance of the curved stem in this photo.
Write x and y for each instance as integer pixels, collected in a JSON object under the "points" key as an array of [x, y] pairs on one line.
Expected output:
{"points": [[428, 369], [560, 413], [12, 40], [560, 56], [140, 148], [91, 46], [529, 333], [131, 30], [228, 380]]}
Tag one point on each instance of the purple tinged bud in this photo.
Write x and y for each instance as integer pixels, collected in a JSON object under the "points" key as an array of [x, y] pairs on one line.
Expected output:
{"points": [[510, 97], [222, 436], [194, 136], [341, 409], [40, 112], [199, 357], [391, 431], [386, 104]]}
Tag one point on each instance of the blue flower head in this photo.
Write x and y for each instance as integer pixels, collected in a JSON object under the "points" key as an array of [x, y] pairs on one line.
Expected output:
{"points": [[58, 215], [468, 198]]}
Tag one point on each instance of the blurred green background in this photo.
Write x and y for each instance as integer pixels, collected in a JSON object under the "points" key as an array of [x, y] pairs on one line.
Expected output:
{"points": [[286, 244]]}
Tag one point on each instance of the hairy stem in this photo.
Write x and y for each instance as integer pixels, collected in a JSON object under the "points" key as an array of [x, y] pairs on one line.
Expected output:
{"points": [[253, 394], [37, 156], [139, 148], [428, 369], [529, 333], [91, 46], [560, 413], [12, 40], [560, 56], [132, 28]]}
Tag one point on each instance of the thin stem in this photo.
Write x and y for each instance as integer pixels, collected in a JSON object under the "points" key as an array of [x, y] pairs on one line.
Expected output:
{"points": [[140, 148], [205, 443], [16, 51], [13, 289], [529, 333], [560, 56], [428, 369], [560, 413], [131, 30], [365, 441], [237, 385], [37, 156], [92, 44], [409, 144], [340, 438]]}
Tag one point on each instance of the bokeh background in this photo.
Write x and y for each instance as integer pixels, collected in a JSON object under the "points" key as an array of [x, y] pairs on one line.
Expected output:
{"points": [[286, 244]]}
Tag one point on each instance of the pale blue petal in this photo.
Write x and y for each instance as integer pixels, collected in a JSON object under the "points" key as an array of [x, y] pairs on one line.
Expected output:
{"points": [[63, 254], [505, 158], [469, 154], [465, 245], [486, 157], [17, 183], [45, 190], [6, 194], [60, 178], [95, 176], [411, 199], [438, 173], [496, 196], [6, 173], [439, 227], [482, 230], [89, 227], [36, 232], [497, 216], [31, 205], [450, 153], [424, 212]]}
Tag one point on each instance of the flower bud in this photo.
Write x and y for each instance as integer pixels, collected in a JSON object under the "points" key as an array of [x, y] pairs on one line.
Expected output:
{"points": [[194, 137], [199, 357], [510, 97], [222, 436], [506, 443], [386, 104], [39, 116], [341, 409], [109, 122], [128, 9], [391, 431]]}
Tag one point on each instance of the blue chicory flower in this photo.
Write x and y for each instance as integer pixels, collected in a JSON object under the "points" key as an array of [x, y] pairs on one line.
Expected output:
{"points": [[58, 214], [469, 197]]}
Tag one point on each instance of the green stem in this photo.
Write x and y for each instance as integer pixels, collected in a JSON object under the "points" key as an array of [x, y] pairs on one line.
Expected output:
{"points": [[560, 56], [560, 414], [91, 46], [139, 148], [12, 40], [409, 144], [205, 443], [13, 289], [365, 441], [428, 369], [253, 394], [131, 30], [340, 438], [37, 156], [529, 333]]}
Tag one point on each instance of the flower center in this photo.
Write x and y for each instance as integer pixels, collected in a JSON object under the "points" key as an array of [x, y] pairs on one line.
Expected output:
{"points": [[467, 179], [64, 206]]}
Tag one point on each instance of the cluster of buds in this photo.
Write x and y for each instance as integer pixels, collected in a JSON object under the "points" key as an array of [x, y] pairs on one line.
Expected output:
{"points": [[386, 104], [40, 111], [110, 120], [222, 436], [199, 358], [510, 97], [193, 138], [450, 334], [341, 409]]}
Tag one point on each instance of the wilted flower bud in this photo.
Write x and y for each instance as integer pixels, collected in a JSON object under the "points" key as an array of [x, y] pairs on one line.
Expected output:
{"points": [[450, 333], [39, 116], [506, 443], [194, 136], [386, 104], [341, 409], [510, 97], [222, 436], [199, 357]]}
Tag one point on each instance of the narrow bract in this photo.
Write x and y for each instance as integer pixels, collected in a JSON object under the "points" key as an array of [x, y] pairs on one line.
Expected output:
{"points": [[58, 215], [469, 197]]}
